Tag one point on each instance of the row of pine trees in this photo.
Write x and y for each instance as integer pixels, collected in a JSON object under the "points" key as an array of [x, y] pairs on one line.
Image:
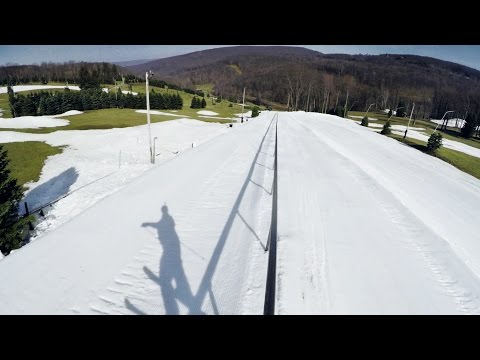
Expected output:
{"points": [[52, 103], [198, 104]]}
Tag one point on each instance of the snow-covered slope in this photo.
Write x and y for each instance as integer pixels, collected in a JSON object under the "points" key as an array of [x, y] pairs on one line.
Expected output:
{"points": [[368, 225], [179, 239], [19, 88], [96, 163]]}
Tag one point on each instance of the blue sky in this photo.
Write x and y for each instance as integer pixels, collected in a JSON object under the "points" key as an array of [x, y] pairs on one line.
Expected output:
{"points": [[24, 54]]}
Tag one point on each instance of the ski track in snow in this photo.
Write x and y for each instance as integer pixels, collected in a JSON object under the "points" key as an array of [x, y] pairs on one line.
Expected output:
{"points": [[366, 225], [320, 290], [438, 261], [228, 291], [217, 197]]}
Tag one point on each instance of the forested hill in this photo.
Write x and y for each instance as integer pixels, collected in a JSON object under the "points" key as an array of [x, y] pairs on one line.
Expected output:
{"points": [[61, 72], [308, 80]]}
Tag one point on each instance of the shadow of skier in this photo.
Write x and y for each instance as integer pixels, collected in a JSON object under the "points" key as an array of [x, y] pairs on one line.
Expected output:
{"points": [[171, 268]]}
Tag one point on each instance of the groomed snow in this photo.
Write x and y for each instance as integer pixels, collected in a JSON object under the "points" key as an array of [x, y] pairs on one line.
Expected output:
{"points": [[368, 225], [186, 237], [92, 162], [156, 112], [19, 88], [206, 112]]}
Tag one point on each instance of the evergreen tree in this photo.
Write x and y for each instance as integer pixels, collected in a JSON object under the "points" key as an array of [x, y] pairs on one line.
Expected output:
{"points": [[194, 104], [390, 113], [471, 123], [88, 80], [42, 106], [400, 110], [12, 227], [434, 142], [364, 121], [179, 102], [204, 103], [386, 128], [255, 111]]}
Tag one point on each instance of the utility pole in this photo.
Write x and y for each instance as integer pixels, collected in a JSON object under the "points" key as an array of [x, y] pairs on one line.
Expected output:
{"points": [[408, 125], [243, 103], [148, 117], [345, 109]]}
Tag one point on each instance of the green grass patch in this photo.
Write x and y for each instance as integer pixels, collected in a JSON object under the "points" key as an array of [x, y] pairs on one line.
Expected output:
{"points": [[27, 159], [5, 106], [114, 118], [467, 163], [100, 119]]}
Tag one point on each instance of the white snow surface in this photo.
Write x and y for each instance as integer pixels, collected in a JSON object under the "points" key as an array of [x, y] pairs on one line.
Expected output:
{"points": [[366, 225], [403, 128], [31, 122], [450, 122], [386, 111], [156, 112], [206, 112], [97, 163], [361, 117], [207, 239], [19, 88], [450, 144], [217, 117], [246, 114], [36, 122]]}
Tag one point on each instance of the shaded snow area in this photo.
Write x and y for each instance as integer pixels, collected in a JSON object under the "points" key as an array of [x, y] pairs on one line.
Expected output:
{"points": [[450, 144], [186, 237], [366, 225], [19, 88], [206, 112], [370, 226], [97, 163], [156, 112]]}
